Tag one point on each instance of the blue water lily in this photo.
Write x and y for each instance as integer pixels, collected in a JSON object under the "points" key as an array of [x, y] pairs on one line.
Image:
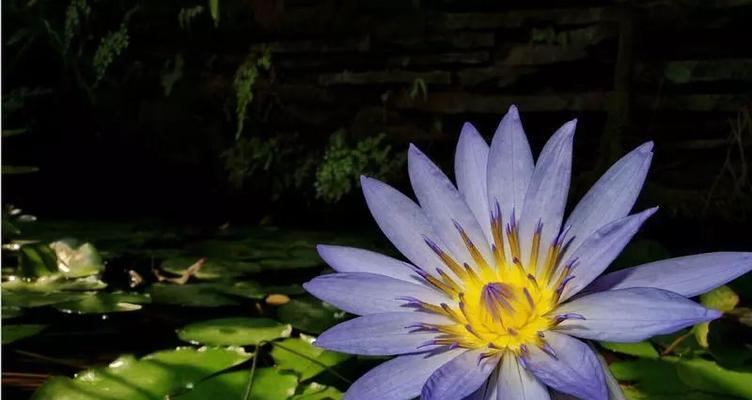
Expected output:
{"points": [[500, 288]]}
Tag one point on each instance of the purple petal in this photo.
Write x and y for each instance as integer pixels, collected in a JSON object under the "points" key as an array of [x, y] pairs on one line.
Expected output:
{"points": [[575, 371], [689, 276], [517, 383], [614, 389], [350, 259], [400, 378], [547, 194], [632, 315], [510, 165], [363, 293], [460, 377], [470, 164], [486, 391], [598, 251], [612, 196], [381, 334], [403, 223], [445, 207]]}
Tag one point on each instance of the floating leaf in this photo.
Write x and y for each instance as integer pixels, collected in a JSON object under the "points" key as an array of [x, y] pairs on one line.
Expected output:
{"points": [[29, 299], [9, 312], [190, 295], [641, 349], [234, 331], [103, 303], [310, 315], [268, 384], [302, 357], [36, 260], [55, 282], [316, 391], [12, 333], [153, 377], [708, 376], [213, 268], [656, 376]]}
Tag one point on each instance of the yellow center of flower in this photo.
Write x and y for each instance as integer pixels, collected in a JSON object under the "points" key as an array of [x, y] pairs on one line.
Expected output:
{"points": [[501, 304]]}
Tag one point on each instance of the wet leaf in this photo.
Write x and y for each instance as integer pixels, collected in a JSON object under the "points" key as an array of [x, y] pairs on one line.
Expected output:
{"points": [[104, 303], [12, 333], [239, 331], [151, 378], [302, 357], [268, 384], [641, 349], [310, 315], [316, 391]]}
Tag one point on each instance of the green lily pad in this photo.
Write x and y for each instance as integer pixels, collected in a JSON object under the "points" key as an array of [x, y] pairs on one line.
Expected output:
{"points": [[104, 303], [29, 299], [213, 268], [153, 377], [310, 315], [11, 311], [710, 377], [36, 259], [641, 349], [656, 377], [268, 384], [234, 331], [55, 282], [316, 391], [189, 295], [302, 357], [12, 333]]}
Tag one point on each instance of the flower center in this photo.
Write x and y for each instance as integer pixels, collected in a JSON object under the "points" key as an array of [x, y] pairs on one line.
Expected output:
{"points": [[501, 305]]}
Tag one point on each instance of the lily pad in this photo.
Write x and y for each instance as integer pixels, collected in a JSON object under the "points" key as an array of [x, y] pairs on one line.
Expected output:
{"points": [[190, 295], [710, 377], [74, 260], [12, 333], [213, 268], [234, 331], [11, 311], [29, 299], [316, 391], [36, 259], [641, 349], [310, 315], [302, 357], [55, 282], [268, 384], [153, 377], [104, 303]]}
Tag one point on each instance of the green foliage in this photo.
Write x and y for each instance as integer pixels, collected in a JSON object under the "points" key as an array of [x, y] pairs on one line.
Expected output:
{"points": [[76, 13], [110, 47], [238, 331], [245, 77], [247, 156], [214, 11], [548, 36], [187, 14], [171, 76], [419, 88], [303, 358], [343, 164]]}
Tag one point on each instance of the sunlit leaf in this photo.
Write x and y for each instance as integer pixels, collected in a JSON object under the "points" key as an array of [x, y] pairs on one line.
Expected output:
{"points": [[641, 349], [302, 357], [239, 331], [151, 378], [103, 303], [316, 391], [310, 315], [268, 384], [12, 333]]}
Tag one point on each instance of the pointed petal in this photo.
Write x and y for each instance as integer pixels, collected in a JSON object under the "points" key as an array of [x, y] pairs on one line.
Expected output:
{"points": [[460, 377], [631, 315], [363, 293], [486, 391], [510, 165], [611, 197], [517, 383], [350, 259], [470, 169], [689, 276], [614, 389], [381, 334], [444, 206], [403, 223], [547, 194], [598, 251], [400, 378], [575, 371]]}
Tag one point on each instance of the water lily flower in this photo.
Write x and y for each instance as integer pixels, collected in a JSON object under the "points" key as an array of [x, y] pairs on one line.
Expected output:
{"points": [[500, 288]]}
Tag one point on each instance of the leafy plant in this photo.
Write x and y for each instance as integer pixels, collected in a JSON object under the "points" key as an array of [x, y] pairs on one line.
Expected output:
{"points": [[245, 78]]}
